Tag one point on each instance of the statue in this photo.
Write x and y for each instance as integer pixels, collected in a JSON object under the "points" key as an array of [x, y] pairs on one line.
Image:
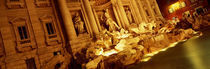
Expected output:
{"points": [[142, 27], [151, 26], [111, 24], [78, 24], [129, 16]]}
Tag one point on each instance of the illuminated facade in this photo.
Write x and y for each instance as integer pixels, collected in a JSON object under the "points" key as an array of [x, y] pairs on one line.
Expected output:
{"points": [[37, 34]]}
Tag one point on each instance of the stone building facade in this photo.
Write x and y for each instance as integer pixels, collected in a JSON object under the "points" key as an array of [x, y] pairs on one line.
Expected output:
{"points": [[43, 34], [191, 7]]}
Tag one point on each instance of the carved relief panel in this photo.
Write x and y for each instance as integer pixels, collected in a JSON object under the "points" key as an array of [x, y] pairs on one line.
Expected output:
{"points": [[15, 3], [51, 31], [42, 3], [24, 36]]}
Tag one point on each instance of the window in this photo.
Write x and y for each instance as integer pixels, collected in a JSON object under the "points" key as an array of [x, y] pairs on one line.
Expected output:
{"points": [[50, 28], [23, 32], [57, 53], [182, 4], [176, 6], [30, 63], [24, 37], [199, 11], [170, 10], [57, 66]]}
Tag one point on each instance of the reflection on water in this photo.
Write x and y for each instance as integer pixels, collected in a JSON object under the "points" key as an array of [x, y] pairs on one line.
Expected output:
{"points": [[191, 54], [194, 56]]}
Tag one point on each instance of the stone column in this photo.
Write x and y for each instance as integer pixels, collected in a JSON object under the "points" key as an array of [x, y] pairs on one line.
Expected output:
{"points": [[150, 9], [119, 9], [67, 19], [117, 16], [137, 15], [90, 16], [157, 8], [97, 20], [123, 14], [142, 11]]}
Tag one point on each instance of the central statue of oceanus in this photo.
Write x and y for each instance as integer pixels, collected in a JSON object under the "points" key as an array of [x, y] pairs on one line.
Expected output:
{"points": [[110, 23]]}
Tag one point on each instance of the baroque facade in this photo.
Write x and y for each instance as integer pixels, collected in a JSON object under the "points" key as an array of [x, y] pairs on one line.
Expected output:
{"points": [[43, 34]]}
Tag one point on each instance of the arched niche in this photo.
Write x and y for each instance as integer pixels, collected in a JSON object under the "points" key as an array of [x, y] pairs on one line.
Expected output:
{"points": [[99, 11], [76, 7]]}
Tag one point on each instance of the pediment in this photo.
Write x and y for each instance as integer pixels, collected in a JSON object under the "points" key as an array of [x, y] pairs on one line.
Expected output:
{"points": [[18, 19]]}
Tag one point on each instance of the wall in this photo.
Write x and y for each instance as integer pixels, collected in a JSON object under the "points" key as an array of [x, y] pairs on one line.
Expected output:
{"points": [[40, 46]]}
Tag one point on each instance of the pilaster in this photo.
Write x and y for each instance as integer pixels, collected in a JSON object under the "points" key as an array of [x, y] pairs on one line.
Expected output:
{"points": [[90, 16], [67, 19], [118, 7], [136, 11], [123, 14], [150, 8], [157, 8], [142, 11]]}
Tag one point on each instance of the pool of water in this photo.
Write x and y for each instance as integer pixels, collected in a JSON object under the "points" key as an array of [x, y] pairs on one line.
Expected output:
{"points": [[191, 54]]}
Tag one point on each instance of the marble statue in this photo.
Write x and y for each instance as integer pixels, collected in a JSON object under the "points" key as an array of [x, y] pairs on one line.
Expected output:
{"points": [[151, 26], [142, 27], [79, 24], [112, 25]]}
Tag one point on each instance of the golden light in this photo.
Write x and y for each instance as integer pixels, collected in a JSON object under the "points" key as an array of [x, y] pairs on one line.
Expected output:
{"points": [[175, 6], [99, 51], [110, 52], [119, 47], [148, 56]]}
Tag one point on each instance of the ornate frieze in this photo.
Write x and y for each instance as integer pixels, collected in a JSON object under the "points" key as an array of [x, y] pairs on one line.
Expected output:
{"points": [[100, 2], [15, 4], [42, 3]]}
